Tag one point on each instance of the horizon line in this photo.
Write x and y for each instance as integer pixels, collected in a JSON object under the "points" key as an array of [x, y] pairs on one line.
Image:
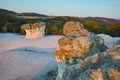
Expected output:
{"points": [[118, 18]]}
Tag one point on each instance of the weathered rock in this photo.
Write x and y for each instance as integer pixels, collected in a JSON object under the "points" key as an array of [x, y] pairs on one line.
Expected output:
{"points": [[97, 75], [35, 30], [77, 47], [73, 28], [73, 48], [114, 74], [108, 40], [100, 66], [118, 42]]}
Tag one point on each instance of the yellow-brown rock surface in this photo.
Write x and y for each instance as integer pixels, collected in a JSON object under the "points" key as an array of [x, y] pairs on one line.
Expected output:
{"points": [[97, 75], [100, 66], [73, 28], [74, 46], [71, 47], [33, 31], [83, 56], [114, 74]]}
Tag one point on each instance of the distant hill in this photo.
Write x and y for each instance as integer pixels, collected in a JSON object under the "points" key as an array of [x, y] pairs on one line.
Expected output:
{"points": [[4, 11], [31, 14], [100, 20]]}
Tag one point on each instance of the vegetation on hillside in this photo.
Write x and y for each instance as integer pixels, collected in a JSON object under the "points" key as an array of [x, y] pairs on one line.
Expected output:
{"points": [[54, 26]]}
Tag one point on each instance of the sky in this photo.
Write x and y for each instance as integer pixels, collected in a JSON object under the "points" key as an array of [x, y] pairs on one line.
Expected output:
{"points": [[77, 8]]}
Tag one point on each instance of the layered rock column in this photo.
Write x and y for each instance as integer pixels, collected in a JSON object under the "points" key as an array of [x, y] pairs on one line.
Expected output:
{"points": [[34, 31], [77, 44]]}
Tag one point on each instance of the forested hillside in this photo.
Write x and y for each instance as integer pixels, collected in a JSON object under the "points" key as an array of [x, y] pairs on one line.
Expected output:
{"points": [[54, 25]]}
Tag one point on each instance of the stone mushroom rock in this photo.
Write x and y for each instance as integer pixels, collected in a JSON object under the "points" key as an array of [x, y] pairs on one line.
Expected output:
{"points": [[75, 47], [34, 31]]}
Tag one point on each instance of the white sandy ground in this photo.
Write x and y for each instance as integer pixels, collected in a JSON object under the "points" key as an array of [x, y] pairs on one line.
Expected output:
{"points": [[27, 63], [10, 41], [23, 59]]}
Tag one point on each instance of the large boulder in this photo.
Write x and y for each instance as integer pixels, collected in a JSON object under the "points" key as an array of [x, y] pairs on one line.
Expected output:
{"points": [[73, 48], [100, 66], [35, 30]]}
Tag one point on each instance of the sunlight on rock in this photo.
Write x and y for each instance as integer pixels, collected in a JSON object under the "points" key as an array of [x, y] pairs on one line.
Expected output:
{"points": [[34, 31], [73, 28], [97, 75], [114, 74], [75, 49]]}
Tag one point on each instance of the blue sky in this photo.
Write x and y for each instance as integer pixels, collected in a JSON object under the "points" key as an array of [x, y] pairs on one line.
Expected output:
{"points": [[81, 8]]}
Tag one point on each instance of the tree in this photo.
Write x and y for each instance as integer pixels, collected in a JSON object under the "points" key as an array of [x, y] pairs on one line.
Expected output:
{"points": [[115, 29], [54, 30], [9, 27], [92, 23], [48, 29]]}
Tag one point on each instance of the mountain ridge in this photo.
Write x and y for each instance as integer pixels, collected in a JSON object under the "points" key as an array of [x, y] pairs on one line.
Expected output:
{"points": [[5, 11], [101, 20], [31, 14]]}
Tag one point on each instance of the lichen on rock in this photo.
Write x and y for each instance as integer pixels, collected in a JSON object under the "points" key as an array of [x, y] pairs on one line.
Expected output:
{"points": [[73, 28], [105, 67], [75, 47]]}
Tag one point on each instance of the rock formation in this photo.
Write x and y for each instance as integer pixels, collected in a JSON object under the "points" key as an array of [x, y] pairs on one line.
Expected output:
{"points": [[77, 44], [74, 29], [35, 30], [83, 56], [100, 66], [118, 42], [108, 40]]}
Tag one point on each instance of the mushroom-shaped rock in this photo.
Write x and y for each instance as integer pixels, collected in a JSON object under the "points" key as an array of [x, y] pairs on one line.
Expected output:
{"points": [[33, 31]]}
